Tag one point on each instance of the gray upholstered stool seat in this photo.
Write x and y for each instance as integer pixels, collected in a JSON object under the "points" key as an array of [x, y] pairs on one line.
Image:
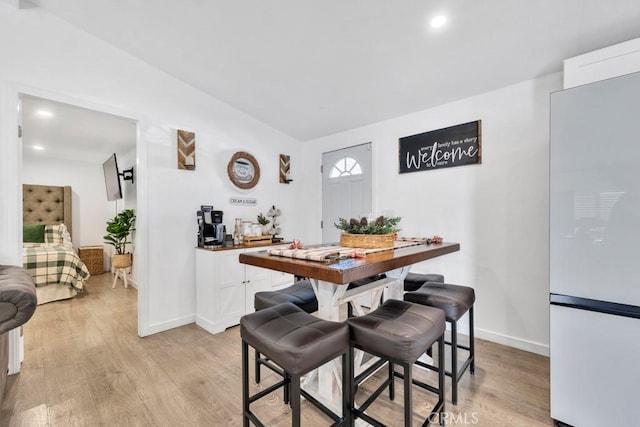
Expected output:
{"points": [[400, 332], [413, 281], [300, 293], [455, 301], [397, 330], [298, 342]]}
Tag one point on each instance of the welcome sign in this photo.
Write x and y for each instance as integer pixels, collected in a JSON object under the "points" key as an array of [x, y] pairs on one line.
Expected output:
{"points": [[457, 145]]}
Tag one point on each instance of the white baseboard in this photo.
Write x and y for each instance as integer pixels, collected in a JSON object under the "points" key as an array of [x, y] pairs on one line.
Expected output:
{"points": [[132, 283], [519, 343], [215, 327], [154, 328]]}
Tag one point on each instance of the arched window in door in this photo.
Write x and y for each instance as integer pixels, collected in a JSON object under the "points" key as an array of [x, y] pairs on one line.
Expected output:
{"points": [[345, 167]]}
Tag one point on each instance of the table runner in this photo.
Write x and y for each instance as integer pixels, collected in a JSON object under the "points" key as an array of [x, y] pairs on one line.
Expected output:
{"points": [[330, 253]]}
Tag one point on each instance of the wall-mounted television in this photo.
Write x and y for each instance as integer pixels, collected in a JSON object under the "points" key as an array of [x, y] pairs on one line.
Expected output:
{"points": [[112, 178]]}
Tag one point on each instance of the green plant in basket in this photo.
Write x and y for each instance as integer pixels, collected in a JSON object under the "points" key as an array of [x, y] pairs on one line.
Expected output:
{"points": [[380, 225], [118, 230]]}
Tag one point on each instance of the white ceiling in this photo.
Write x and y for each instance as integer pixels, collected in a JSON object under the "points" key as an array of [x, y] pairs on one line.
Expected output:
{"points": [[316, 67], [69, 132]]}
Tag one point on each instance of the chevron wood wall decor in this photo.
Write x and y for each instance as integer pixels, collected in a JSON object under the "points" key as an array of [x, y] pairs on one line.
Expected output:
{"points": [[186, 150], [285, 169]]}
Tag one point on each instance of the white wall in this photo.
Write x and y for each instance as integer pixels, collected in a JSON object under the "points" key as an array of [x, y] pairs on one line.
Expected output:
{"points": [[44, 56], [497, 210]]}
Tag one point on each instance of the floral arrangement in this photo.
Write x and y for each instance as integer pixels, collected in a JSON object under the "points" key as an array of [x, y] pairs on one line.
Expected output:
{"points": [[380, 225]]}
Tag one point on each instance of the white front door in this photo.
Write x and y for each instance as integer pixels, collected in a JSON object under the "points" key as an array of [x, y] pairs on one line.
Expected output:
{"points": [[346, 187]]}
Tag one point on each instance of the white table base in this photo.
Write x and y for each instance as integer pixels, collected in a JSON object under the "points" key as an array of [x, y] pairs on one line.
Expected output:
{"points": [[325, 383]]}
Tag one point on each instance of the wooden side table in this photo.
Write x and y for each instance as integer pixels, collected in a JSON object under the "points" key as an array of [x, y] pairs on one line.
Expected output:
{"points": [[93, 257]]}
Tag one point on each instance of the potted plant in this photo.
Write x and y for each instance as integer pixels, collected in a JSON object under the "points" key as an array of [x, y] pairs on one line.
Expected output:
{"points": [[119, 229], [263, 221], [362, 233]]}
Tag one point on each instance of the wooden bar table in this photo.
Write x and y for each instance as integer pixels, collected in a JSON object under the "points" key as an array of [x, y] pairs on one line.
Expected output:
{"points": [[331, 279]]}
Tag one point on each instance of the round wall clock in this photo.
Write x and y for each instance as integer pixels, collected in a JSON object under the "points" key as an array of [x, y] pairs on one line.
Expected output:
{"points": [[243, 170]]}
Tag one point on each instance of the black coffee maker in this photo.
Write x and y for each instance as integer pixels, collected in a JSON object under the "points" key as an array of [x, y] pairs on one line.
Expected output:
{"points": [[211, 230]]}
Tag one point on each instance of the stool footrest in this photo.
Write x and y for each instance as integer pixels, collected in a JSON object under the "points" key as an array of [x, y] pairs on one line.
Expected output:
{"points": [[328, 412], [461, 371], [370, 370], [464, 367], [367, 418], [254, 419], [374, 395], [267, 390], [419, 383], [462, 346]]}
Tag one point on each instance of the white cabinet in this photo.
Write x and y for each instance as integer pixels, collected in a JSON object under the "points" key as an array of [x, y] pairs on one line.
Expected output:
{"points": [[225, 288], [602, 64], [262, 279]]}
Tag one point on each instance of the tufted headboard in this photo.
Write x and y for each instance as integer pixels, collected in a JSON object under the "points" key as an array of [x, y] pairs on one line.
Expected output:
{"points": [[46, 204]]}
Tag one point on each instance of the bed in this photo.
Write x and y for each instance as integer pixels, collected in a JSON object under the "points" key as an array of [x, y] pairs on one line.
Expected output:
{"points": [[51, 260]]}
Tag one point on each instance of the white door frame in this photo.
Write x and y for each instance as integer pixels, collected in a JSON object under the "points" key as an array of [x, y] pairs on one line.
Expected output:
{"points": [[11, 194]]}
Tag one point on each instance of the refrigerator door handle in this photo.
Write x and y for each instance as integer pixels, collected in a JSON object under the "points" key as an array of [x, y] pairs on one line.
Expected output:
{"points": [[605, 307]]}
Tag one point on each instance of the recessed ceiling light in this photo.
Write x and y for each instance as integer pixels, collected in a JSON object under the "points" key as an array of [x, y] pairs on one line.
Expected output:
{"points": [[438, 21], [38, 147], [44, 113]]}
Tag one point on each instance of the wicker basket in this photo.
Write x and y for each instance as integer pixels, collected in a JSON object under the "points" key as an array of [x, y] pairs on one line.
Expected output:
{"points": [[366, 241], [121, 260], [93, 257]]}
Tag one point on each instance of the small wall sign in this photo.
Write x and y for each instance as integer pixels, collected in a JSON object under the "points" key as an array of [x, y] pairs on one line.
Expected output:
{"points": [[186, 150], [457, 145], [285, 169], [243, 201]]}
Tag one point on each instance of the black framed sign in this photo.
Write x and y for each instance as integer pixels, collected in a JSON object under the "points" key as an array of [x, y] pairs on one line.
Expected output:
{"points": [[457, 145]]}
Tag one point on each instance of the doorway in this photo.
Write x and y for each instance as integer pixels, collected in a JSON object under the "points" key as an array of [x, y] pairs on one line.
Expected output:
{"points": [[346, 187], [66, 145]]}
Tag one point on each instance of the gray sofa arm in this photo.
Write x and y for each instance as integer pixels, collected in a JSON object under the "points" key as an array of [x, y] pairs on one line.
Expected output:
{"points": [[17, 297]]}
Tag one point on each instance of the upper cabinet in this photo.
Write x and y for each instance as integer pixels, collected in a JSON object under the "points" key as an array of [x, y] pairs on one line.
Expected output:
{"points": [[612, 61]]}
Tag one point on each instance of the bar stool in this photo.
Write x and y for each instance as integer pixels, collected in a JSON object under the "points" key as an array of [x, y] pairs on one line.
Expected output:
{"points": [[455, 301], [413, 281], [399, 332], [299, 343], [301, 294]]}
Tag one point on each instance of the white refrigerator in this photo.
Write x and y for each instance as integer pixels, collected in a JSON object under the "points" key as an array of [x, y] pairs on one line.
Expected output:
{"points": [[595, 253]]}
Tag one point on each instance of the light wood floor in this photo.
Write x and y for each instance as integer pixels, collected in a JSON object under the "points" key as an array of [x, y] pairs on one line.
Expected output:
{"points": [[85, 366]]}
